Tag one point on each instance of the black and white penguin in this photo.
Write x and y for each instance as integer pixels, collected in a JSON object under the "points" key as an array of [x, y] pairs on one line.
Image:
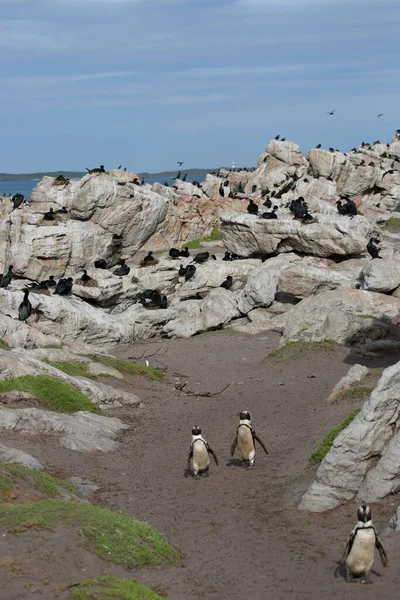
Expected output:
{"points": [[199, 454], [25, 308], [358, 555], [245, 440], [373, 250]]}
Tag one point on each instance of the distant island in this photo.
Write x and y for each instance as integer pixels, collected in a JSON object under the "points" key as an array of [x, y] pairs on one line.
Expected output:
{"points": [[191, 173]]}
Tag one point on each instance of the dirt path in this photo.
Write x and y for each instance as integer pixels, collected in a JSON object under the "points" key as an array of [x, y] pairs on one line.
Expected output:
{"points": [[239, 531]]}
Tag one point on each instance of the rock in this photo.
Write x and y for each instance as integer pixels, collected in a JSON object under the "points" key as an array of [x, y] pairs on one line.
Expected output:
{"points": [[355, 374], [13, 455], [261, 286], [83, 431], [333, 234], [84, 487], [287, 152], [17, 363], [303, 280], [330, 164], [380, 275], [347, 316], [216, 310], [371, 436]]}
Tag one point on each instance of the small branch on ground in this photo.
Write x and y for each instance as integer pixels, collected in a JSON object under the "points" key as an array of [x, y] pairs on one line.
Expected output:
{"points": [[180, 387]]}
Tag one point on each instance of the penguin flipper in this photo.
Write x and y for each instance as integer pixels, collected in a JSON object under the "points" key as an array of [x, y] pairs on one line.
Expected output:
{"points": [[255, 436], [190, 455], [349, 545], [234, 444], [381, 550], [211, 451]]}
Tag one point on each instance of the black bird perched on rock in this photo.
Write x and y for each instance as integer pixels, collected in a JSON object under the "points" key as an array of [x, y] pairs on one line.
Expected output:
{"points": [[123, 269], [252, 208], [283, 140], [201, 257], [299, 207], [182, 271], [148, 260], [270, 215], [178, 176], [49, 216], [184, 177], [342, 209], [163, 303], [267, 203], [49, 282], [17, 200], [190, 271], [174, 253], [240, 188], [277, 137], [227, 256], [371, 164], [185, 252], [64, 287], [100, 169], [6, 279], [372, 249], [25, 308], [228, 283], [331, 149], [119, 167], [221, 190], [319, 146], [85, 277], [100, 263]]}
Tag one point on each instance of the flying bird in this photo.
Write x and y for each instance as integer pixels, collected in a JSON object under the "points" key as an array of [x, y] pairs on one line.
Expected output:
{"points": [[332, 112], [180, 163], [380, 115]]}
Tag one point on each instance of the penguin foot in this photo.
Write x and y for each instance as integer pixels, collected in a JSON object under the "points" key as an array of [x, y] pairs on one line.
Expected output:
{"points": [[366, 578]]}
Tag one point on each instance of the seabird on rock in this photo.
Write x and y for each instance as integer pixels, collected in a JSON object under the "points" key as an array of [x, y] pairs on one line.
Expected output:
{"points": [[6, 279], [85, 277], [228, 283], [49, 216], [252, 208], [277, 137], [25, 308], [64, 287], [319, 146], [185, 252], [100, 263], [190, 271], [201, 257], [182, 271], [17, 200], [270, 215], [123, 269], [227, 256], [372, 249], [100, 169]]}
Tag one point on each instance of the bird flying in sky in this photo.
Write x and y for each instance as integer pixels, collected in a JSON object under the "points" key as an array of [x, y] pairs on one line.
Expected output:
{"points": [[380, 115], [332, 112]]}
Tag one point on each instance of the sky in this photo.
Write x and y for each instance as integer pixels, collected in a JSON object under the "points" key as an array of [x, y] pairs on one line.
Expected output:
{"points": [[145, 83]]}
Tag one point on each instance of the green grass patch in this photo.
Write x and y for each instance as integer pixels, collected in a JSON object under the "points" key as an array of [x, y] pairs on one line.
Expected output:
{"points": [[43, 482], [71, 367], [115, 537], [393, 224], [4, 345], [325, 445], [126, 366], [355, 393], [5, 484], [366, 316], [292, 350], [214, 236], [55, 394], [57, 346], [109, 588]]}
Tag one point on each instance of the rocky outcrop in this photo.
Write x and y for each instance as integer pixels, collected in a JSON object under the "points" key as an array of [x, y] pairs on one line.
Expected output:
{"points": [[355, 374], [83, 431], [13, 455], [364, 459], [247, 235], [380, 275]]}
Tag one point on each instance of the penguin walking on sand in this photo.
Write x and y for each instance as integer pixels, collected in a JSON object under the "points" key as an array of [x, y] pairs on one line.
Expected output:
{"points": [[358, 555], [245, 440], [199, 454]]}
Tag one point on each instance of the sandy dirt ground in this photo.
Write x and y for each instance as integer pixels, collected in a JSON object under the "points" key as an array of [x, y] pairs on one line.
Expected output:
{"points": [[239, 531]]}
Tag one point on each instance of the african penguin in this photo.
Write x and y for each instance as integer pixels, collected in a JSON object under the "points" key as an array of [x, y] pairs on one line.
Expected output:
{"points": [[358, 555], [199, 455], [245, 440]]}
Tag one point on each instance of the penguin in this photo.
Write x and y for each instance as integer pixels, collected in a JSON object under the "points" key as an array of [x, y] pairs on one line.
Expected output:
{"points": [[199, 454], [25, 308], [372, 250], [245, 440], [358, 555]]}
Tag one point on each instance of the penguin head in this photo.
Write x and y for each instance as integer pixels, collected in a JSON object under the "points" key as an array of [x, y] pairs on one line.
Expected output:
{"points": [[196, 430], [245, 415], [364, 514]]}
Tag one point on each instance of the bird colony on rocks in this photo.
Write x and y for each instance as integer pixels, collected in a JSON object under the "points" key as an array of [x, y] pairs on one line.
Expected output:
{"points": [[304, 251]]}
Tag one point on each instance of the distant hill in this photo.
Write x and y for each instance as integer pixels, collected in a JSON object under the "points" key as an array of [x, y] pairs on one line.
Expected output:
{"points": [[191, 173]]}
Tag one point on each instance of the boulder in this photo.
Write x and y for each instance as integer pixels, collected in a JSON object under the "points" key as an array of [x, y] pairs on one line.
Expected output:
{"points": [[247, 234], [381, 275], [354, 453], [287, 152], [83, 431], [302, 280], [347, 316], [13, 455]]}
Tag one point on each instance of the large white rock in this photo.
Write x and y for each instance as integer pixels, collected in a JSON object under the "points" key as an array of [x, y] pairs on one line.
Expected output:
{"points": [[371, 435], [330, 164], [288, 152], [381, 275], [344, 315], [302, 280], [83, 431], [261, 286], [13, 455], [247, 234]]}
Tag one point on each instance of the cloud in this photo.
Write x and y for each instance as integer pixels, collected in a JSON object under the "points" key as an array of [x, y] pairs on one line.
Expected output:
{"points": [[43, 80]]}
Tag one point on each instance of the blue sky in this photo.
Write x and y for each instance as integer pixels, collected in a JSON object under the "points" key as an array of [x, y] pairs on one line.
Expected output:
{"points": [[148, 82]]}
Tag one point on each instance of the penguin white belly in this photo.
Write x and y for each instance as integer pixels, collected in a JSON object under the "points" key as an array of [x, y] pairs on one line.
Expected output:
{"points": [[246, 444], [361, 556], [201, 460]]}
